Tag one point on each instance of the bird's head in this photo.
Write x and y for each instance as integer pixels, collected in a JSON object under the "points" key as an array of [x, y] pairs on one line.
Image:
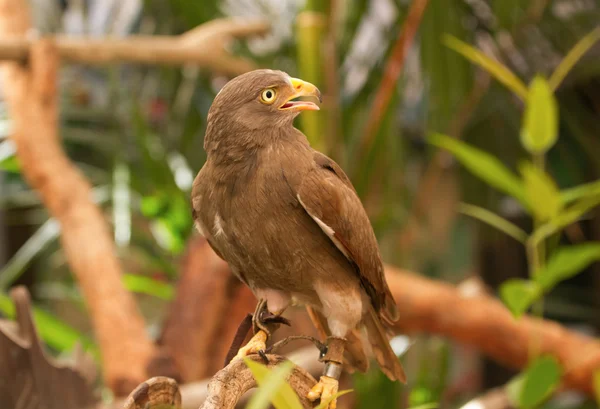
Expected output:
{"points": [[261, 99]]}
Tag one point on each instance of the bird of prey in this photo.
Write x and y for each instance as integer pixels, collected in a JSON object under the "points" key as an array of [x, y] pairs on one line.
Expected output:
{"points": [[289, 223]]}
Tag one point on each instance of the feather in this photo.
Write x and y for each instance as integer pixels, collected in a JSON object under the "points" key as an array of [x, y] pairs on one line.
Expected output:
{"points": [[388, 361]]}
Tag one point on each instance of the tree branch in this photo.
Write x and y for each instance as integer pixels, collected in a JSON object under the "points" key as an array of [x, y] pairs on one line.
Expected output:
{"points": [[225, 389], [483, 322], [228, 385], [203, 46], [31, 96]]}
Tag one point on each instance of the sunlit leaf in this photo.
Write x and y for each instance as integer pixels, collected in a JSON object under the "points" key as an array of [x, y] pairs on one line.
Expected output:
{"points": [[596, 381], [565, 218], [324, 404], [567, 262], [483, 165], [151, 206], [493, 67], [273, 387], [514, 388], [311, 28], [578, 192], [8, 157], [10, 164], [519, 294], [540, 121], [573, 56], [432, 405], [145, 285], [54, 332], [493, 220], [540, 380], [542, 193]]}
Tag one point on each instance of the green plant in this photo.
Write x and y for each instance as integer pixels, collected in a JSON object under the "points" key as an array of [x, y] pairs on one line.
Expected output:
{"points": [[551, 209], [273, 387]]}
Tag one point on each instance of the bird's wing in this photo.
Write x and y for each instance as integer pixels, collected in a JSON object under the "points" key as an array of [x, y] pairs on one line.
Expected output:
{"points": [[329, 198]]}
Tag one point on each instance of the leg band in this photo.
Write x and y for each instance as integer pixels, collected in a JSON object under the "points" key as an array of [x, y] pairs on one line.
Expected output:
{"points": [[335, 350], [332, 370]]}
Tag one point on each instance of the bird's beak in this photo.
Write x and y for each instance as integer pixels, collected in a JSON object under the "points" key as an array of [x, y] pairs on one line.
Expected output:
{"points": [[302, 89]]}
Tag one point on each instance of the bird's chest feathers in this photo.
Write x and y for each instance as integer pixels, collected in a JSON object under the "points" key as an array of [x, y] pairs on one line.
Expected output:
{"points": [[244, 209]]}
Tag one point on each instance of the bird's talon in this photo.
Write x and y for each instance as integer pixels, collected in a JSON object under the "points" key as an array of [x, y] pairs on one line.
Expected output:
{"points": [[263, 355], [276, 319], [326, 388], [254, 346]]}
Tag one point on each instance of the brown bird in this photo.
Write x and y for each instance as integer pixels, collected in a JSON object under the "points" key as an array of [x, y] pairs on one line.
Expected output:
{"points": [[290, 224]]}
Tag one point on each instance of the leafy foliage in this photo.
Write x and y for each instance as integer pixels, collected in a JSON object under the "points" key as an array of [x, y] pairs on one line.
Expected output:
{"points": [[540, 127], [483, 165], [536, 383]]}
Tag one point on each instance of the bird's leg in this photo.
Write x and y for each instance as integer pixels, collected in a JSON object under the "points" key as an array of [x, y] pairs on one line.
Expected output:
{"points": [[328, 384], [264, 323]]}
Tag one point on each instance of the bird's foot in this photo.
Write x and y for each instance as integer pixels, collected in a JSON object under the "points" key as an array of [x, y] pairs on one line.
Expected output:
{"points": [[264, 320], [256, 345], [326, 389]]}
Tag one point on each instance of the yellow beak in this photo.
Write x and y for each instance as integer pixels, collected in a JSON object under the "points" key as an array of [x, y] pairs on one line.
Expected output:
{"points": [[302, 89]]}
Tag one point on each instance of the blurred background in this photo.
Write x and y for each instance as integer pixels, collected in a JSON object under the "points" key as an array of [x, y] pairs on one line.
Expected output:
{"points": [[136, 132]]}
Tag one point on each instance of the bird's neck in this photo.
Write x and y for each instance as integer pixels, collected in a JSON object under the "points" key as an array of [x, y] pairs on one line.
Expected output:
{"points": [[232, 145]]}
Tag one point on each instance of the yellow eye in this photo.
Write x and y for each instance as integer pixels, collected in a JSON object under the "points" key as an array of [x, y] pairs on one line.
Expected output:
{"points": [[268, 96]]}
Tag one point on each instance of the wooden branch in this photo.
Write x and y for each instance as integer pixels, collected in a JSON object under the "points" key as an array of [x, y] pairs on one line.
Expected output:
{"points": [[228, 385], [31, 96], [202, 46], [224, 391], [483, 322], [199, 310], [194, 394], [159, 392], [29, 377]]}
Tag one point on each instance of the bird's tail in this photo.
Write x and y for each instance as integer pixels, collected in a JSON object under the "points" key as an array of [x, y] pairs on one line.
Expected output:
{"points": [[354, 354], [386, 358]]}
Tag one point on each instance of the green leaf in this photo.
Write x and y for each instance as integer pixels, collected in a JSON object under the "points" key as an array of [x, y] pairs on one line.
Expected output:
{"points": [[596, 385], [540, 380], [145, 285], [273, 387], [573, 57], [567, 262], [8, 158], [18, 263], [10, 164], [325, 404], [519, 294], [432, 405], [540, 122], [582, 191], [542, 193], [493, 220], [493, 67], [483, 165], [54, 332], [514, 388], [565, 218]]}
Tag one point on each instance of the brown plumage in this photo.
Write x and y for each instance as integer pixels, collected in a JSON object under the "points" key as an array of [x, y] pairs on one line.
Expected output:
{"points": [[287, 219]]}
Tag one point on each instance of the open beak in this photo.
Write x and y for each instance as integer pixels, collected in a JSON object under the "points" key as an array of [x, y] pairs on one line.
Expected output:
{"points": [[302, 89]]}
